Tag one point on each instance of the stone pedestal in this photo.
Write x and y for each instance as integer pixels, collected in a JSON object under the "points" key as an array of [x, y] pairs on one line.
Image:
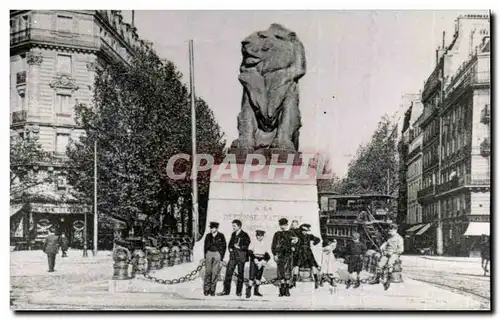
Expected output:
{"points": [[120, 286], [259, 198]]}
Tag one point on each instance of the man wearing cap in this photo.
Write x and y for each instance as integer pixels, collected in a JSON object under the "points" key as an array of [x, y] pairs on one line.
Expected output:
{"points": [[238, 255], [258, 260], [306, 256], [282, 248], [391, 251], [215, 249]]}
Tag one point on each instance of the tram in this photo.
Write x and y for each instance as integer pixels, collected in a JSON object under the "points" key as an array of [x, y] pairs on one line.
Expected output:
{"points": [[367, 214]]}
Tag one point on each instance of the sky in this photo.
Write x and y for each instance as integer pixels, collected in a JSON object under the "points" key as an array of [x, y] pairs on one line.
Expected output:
{"points": [[359, 65]]}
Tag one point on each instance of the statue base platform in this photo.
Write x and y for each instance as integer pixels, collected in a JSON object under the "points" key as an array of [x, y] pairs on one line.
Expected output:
{"points": [[259, 199]]}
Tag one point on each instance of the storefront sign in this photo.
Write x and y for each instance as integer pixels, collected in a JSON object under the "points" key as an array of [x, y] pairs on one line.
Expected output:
{"points": [[60, 209], [479, 218]]}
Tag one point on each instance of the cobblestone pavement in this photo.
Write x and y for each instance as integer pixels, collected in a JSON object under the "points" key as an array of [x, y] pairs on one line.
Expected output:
{"points": [[460, 275], [29, 275]]}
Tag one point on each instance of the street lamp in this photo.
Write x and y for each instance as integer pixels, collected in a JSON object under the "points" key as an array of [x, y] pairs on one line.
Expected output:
{"points": [[85, 254]]}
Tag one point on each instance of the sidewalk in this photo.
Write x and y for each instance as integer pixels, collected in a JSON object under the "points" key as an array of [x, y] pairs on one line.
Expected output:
{"points": [[453, 259], [410, 295]]}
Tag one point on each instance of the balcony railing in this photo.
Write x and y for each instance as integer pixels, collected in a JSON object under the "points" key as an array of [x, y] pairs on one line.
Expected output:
{"points": [[414, 152], [19, 116], [425, 191], [54, 37], [21, 78], [467, 180]]}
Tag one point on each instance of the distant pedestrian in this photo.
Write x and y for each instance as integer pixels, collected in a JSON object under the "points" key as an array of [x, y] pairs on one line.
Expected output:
{"points": [[238, 255], [485, 253], [215, 249], [51, 248], [64, 245], [355, 252]]}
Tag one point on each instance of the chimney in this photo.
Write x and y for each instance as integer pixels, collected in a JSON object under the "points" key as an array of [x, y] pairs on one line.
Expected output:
{"points": [[437, 56], [133, 16], [444, 35]]}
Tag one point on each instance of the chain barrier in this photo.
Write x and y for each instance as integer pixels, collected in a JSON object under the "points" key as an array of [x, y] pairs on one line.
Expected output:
{"points": [[188, 277], [193, 274]]}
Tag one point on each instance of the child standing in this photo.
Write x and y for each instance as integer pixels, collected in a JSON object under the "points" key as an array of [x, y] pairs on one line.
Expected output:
{"points": [[355, 251], [328, 267]]}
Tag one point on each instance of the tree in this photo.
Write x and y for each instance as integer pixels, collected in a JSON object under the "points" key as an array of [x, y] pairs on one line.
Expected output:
{"points": [[375, 168], [140, 120], [26, 161]]}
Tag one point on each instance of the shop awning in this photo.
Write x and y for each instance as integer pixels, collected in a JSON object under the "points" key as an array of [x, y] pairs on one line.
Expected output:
{"points": [[478, 229], [424, 229], [415, 228]]}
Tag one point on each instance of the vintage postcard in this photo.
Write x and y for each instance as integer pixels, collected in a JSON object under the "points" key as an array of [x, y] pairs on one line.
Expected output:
{"points": [[250, 160]]}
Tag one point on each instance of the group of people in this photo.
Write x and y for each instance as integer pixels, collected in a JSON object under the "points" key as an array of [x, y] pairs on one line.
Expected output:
{"points": [[291, 248]]}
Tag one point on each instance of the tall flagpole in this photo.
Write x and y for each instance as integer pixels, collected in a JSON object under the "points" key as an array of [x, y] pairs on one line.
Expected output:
{"points": [[194, 174], [96, 216]]}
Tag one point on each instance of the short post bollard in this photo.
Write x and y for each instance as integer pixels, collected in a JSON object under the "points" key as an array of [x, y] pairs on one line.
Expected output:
{"points": [[121, 257], [153, 256], [396, 275], [165, 256], [140, 265], [175, 254]]}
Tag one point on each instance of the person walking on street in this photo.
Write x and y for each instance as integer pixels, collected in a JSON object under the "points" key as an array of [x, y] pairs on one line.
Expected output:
{"points": [[238, 255], [391, 251], [51, 248], [485, 253], [64, 245], [258, 260], [355, 251], [215, 249], [282, 248]]}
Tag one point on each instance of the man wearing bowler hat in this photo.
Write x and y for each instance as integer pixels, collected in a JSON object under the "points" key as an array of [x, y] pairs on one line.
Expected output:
{"points": [[238, 255], [215, 249], [258, 260]]}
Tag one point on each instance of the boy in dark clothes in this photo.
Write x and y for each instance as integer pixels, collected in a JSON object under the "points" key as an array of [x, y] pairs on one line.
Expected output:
{"points": [[355, 251]]}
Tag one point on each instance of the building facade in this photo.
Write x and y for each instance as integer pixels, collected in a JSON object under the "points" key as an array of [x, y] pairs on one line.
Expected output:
{"points": [[54, 55], [455, 193]]}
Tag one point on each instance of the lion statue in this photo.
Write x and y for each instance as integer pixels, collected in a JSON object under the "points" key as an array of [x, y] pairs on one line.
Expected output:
{"points": [[273, 62]]}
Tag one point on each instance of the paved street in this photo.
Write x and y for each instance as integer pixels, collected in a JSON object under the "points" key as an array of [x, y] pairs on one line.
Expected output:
{"points": [[77, 277]]}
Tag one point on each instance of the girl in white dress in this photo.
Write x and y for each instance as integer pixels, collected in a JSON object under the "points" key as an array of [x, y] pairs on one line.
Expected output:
{"points": [[328, 264]]}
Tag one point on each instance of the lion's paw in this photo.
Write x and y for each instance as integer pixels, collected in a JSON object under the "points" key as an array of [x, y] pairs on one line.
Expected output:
{"points": [[283, 145]]}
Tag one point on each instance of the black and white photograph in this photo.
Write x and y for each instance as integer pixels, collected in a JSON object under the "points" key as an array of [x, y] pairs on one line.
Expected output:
{"points": [[250, 160]]}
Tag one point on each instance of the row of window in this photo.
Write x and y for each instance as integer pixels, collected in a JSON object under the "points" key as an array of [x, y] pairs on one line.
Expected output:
{"points": [[430, 156], [455, 206], [431, 130], [64, 23], [413, 188], [414, 169], [339, 231], [414, 214]]}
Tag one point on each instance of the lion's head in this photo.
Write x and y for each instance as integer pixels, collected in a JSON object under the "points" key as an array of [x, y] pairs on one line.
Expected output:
{"points": [[272, 49]]}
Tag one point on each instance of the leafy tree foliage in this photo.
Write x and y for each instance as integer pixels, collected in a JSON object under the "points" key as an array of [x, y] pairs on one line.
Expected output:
{"points": [[375, 167], [140, 118], [26, 159]]}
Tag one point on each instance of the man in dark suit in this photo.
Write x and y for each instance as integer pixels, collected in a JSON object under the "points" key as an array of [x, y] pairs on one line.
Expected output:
{"points": [[215, 249], [238, 255], [282, 247], [51, 248]]}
